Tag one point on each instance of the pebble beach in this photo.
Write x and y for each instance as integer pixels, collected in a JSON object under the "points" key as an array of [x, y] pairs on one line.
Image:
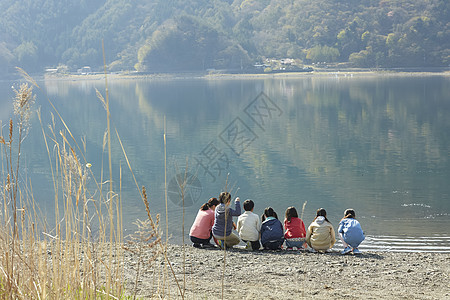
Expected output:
{"points": [[244, 274]]}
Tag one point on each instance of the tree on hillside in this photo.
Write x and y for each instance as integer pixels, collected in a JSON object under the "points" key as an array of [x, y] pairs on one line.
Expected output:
{"points": [[322, 54], [202, 34], [187, 43], [26, 54]]}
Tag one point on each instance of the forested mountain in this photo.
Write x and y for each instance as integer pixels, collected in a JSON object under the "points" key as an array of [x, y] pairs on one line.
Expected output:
{"points": [[187, 35]]}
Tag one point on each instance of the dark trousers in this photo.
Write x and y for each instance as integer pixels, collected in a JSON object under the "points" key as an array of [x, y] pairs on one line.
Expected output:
{"points": [[255, 245], [200, 241], [273, 245]]}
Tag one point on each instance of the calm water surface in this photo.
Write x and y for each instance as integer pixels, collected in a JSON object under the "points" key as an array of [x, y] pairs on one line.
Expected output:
{"points": [[380, 145]]}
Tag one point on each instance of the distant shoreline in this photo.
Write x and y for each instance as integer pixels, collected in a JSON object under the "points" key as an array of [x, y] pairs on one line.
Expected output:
{"points": [[220, 76]]}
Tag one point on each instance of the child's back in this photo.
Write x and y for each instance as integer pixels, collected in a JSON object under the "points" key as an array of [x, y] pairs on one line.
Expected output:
{"points": [[271, 230], [350, 232], [295, 228], [272, 235], [249, 226], [295, 231], [320, 235]]}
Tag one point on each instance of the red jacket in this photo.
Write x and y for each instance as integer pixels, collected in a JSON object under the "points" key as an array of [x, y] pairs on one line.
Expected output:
{"points": [[294, 229]]}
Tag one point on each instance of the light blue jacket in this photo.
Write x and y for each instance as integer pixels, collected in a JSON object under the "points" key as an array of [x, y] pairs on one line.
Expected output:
{"points": [[351, 231]]}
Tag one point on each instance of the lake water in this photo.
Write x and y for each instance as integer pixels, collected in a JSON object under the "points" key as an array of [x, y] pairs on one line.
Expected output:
{"points": [[378, 144]]}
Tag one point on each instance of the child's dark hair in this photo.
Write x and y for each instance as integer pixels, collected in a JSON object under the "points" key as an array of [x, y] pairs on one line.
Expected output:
{"points": [[248, 205], [224, 197], [291, 212], [349, 213], [321, 212], [269, 212], [211, 202]]}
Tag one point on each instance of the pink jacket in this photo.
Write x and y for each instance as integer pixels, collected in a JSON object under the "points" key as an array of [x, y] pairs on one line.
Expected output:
{"points": [[202, 225]]}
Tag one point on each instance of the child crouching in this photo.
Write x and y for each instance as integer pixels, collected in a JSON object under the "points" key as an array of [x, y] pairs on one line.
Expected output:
{"points": [[295, 229], [350, 232], [249, 225], [272, 236]]}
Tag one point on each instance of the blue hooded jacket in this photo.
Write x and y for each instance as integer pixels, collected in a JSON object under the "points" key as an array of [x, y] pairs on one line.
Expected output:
{"points": [[271, 230]]}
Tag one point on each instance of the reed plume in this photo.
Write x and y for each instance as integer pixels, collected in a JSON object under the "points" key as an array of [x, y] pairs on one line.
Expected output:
{"points": [[23, 101]]}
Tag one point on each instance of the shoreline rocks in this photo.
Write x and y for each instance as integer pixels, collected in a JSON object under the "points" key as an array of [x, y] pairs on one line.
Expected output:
{"points": [[289, 274]]}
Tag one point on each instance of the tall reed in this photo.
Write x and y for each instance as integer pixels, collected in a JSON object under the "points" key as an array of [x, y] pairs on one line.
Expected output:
{"points": [[81, 255], [39, 261], [13, 198]]}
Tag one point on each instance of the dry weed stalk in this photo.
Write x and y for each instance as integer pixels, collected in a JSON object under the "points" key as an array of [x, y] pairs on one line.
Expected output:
{"points": [[303, 209], [14, 264], [165, 200], [224, 244], [304, 273], [145, 239], [182, 184], [68, 261], [149, 215]]}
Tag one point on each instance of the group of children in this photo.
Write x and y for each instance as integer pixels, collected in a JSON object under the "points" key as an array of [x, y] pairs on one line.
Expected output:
{"points": [[215, 220]]}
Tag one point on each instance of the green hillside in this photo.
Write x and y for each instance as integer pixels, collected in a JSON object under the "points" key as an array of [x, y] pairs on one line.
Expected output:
{"points": [[190, 35]]}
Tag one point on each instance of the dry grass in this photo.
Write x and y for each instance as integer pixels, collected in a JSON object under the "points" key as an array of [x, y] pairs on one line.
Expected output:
{"points": [[81, 255], [39, 261]]}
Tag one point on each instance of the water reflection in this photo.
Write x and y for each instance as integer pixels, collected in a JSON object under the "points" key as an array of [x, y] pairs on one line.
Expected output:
{"points": [[377, 144]]}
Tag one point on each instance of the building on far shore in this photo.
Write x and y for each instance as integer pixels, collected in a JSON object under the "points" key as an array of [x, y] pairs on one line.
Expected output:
{"points": [[86, 70]]}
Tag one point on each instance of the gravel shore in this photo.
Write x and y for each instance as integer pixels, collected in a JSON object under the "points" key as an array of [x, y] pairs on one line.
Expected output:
{"points": [[288, 275]]}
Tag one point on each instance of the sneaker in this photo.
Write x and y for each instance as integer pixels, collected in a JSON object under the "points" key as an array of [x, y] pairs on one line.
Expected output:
{"points": [[221, 244], [356, 251], [289, 248], [248, 246], [312, 250], [207, 246], [195, 245], [347, 250]]}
